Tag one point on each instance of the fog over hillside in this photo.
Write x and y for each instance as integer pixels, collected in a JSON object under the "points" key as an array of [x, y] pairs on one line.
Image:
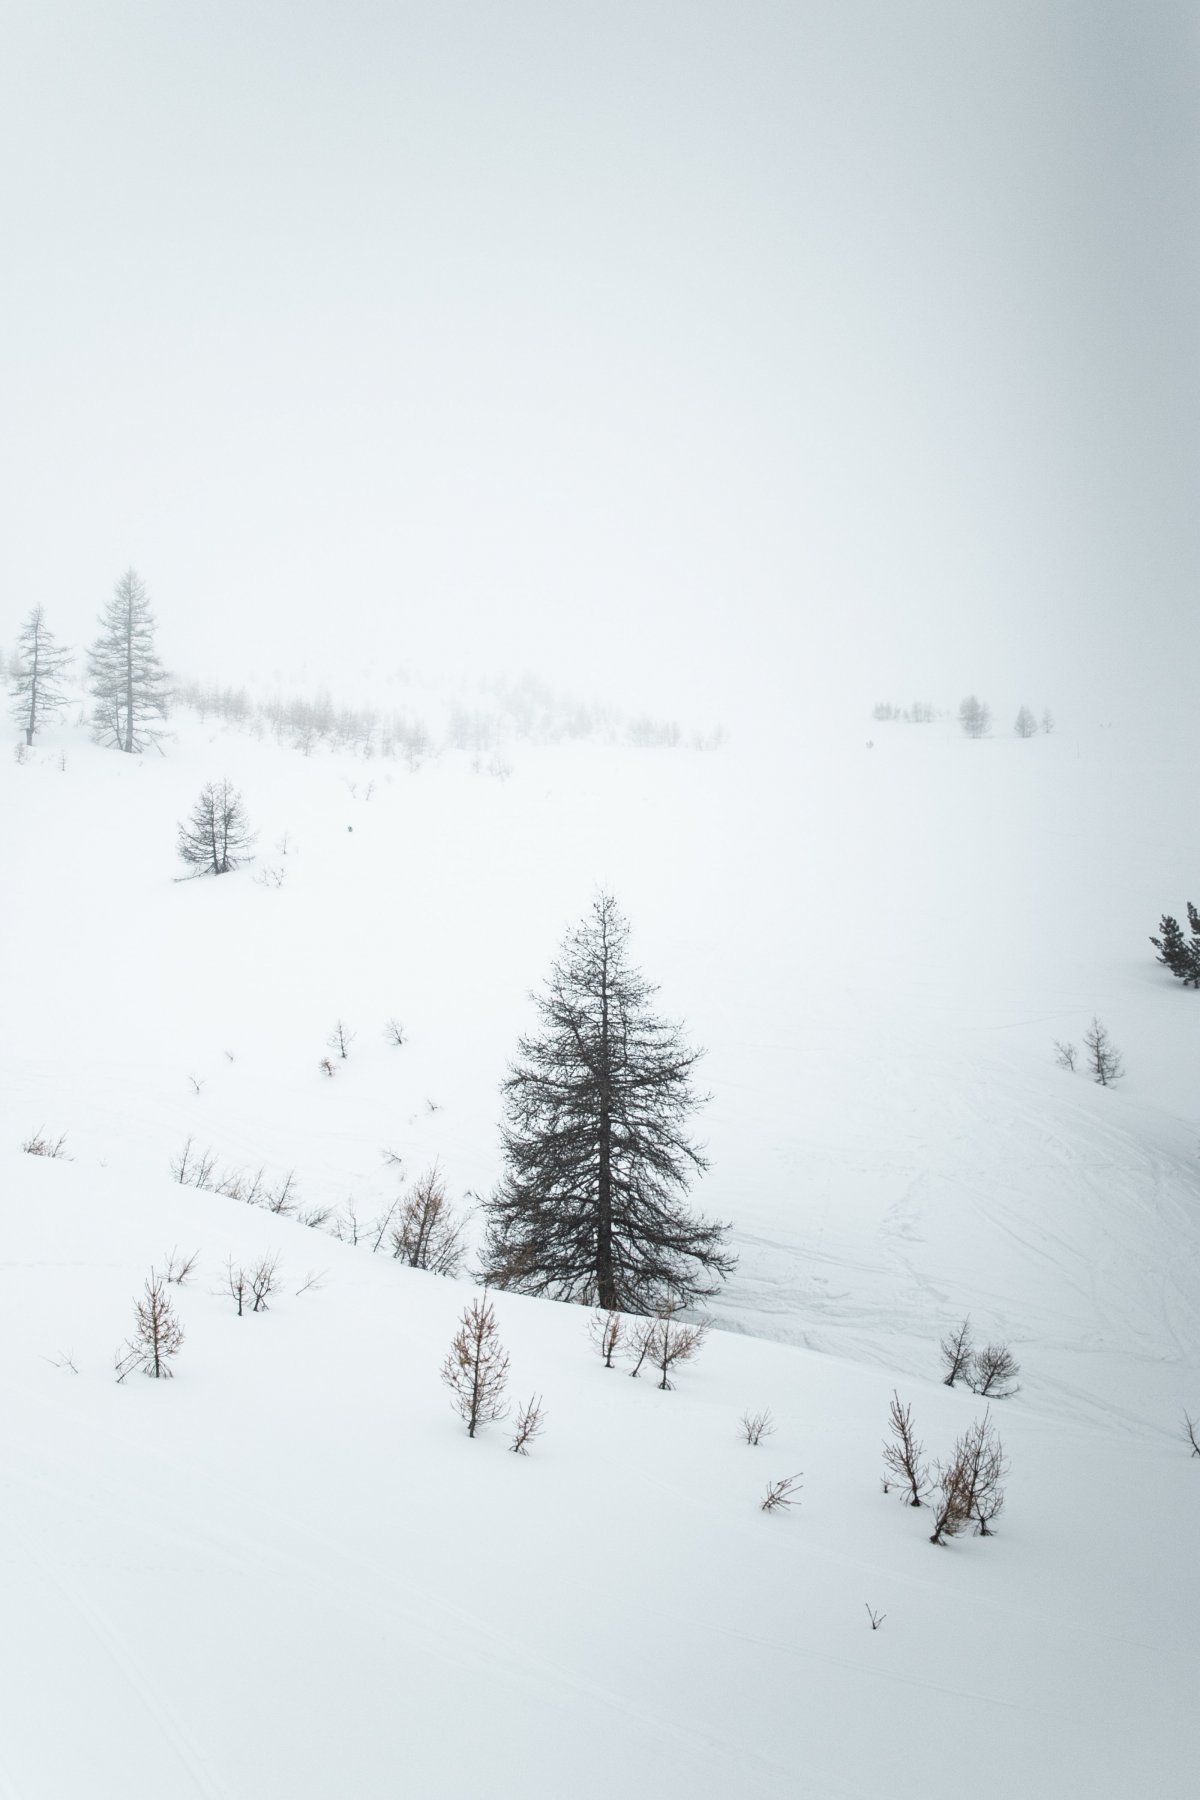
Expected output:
{"points": [[688, 356]]}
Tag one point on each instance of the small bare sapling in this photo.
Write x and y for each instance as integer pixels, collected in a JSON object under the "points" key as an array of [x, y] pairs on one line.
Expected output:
{"points": [[429, 1234], [531, 1419], [983, 1459], [607, 1332], [993, 1372], [315, 1217], [235, 1184], [192, 1168], [1065, 1055], [952, 1504], [238, 1283], [281, 1199], [876, 1618], [347, 1227], [781, 1494], [42, 1144], [381, 1225], [957, 1348], [157, 1334], [903, 1457], [674, 1343], [393, 1031], [340, 1039], [180, 1269], [971, 1484], [264, 1279], [664, 1341], [639, 1343], [756, 1426], [476, 1367], [1104, 1059]]}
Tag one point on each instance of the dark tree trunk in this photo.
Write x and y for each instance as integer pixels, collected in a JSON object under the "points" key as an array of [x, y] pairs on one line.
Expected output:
{"points": [[606, 1287]]}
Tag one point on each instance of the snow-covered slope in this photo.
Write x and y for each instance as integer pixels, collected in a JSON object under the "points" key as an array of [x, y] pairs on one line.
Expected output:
{"points": [[288, 1572]]}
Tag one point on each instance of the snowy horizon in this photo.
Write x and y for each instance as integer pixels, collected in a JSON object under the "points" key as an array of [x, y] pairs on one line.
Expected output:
{"points": [[704, 359]]}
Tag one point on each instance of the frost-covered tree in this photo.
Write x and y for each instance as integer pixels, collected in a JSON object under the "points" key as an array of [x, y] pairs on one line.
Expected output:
{"points": [[591, 1208], [974, 716], [35, 673], [1104, 1059], [217, 837], [1026, 724], [128, 681]]}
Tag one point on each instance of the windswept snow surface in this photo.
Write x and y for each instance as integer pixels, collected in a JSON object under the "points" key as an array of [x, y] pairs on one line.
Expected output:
{"points": [[289, 1573]]}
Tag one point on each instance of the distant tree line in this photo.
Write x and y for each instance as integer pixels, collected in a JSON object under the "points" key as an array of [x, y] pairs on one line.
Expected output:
{"points": [[313, 723], [974, 715], [921, 712], [131, 697]]}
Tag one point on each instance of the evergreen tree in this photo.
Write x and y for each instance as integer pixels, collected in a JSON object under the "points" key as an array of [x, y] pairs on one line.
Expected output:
{"points": [[591, 1207], [128, 680], [1026, 724], [1192, 975], [1180, 954], [217, 837], [40, 661]]}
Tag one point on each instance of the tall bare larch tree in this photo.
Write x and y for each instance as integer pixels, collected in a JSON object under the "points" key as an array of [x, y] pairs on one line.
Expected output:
{"points": [[128, 682], [36, 673]]}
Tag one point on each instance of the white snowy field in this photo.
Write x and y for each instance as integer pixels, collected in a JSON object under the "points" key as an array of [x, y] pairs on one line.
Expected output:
{"points": [[289, 1573]]}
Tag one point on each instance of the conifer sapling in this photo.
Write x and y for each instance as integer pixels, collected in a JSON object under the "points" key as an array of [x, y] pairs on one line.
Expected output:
{"points": [[476, 1367]]}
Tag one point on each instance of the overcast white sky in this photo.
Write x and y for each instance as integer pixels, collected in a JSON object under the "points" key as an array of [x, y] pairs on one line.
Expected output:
{"points": [[668, 348]]}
